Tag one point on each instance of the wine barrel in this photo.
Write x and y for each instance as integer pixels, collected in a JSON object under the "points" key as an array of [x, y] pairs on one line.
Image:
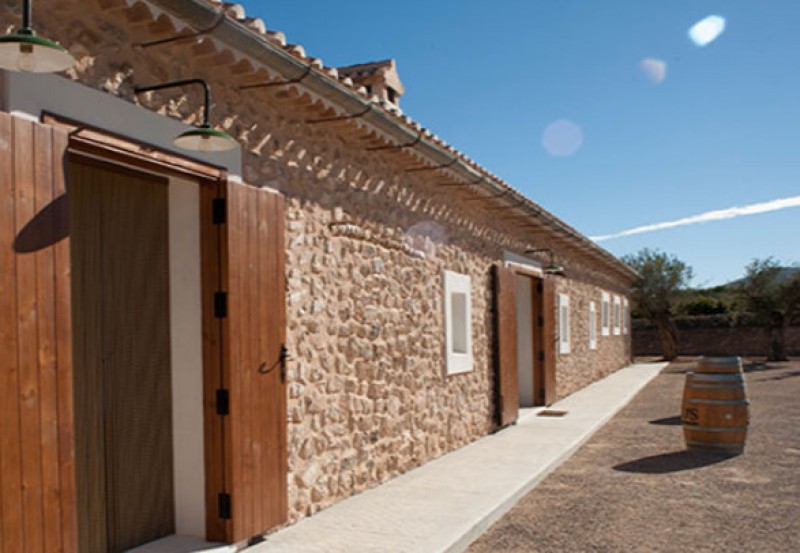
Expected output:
{"points": [[715, 411]]}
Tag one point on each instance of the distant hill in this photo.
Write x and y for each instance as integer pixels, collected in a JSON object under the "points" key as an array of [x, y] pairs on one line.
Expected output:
{"points": [[785, 274]]}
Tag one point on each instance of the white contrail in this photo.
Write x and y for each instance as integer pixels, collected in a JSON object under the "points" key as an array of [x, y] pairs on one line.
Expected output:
{"points": [[717, 215]]}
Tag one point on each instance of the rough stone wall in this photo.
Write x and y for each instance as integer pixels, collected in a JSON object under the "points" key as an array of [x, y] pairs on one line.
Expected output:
{"points": [[582, 365], [368, 398], [367, 245]]}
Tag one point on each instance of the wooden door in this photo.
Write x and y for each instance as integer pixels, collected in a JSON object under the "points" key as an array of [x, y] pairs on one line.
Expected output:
{"points": [[549, 318], [256, 324], [506, 344], [120, 263], [539, 342], [37, 484]]}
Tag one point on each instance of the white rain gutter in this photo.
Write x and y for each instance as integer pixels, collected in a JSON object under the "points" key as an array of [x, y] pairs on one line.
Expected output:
{"points": [[200, 14]]}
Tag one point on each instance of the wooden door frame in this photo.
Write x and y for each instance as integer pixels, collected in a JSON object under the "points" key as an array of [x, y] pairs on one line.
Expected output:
{"points": [[90, 142], [544, 356]]}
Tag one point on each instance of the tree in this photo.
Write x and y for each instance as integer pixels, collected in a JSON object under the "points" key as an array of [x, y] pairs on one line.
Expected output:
{"points": [[772, 301], [662, 277]]}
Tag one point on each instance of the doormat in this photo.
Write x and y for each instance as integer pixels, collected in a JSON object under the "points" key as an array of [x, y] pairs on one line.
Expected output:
{"points": [[551, 413]]}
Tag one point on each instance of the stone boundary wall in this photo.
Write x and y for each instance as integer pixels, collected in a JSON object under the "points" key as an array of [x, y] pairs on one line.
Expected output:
{"points": [[715, 341], [367, 244]]}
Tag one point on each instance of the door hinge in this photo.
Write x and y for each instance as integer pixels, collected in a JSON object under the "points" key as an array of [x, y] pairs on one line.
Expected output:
{"points": [[223, 402], [220, 305], [539, 287], [219, 211], [283, 358], [224, 506], [541, 394], [541, 320], [541, 356]]}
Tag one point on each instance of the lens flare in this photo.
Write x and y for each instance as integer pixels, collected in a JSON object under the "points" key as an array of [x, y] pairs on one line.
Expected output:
{"points": [[707, 30], [426, 237], [562, 138], [655, 70]]}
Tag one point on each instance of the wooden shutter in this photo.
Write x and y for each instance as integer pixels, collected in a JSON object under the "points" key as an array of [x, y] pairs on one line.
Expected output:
{"points": [[506, 344], [256, 331], [550, 315], [37, 483]]}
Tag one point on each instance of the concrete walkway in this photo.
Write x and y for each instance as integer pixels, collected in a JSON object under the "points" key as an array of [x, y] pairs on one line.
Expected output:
{"points": [[447, 503]]}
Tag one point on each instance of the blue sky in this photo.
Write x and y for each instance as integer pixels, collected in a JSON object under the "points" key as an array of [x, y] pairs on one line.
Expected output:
{"points": [[721, 130]]}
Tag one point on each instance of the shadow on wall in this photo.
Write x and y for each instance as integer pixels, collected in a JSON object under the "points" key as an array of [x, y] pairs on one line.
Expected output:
{"points": [[47, 227]]}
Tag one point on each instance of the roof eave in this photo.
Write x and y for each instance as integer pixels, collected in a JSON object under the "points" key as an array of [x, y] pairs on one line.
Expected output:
{"points": [[199, 14]]}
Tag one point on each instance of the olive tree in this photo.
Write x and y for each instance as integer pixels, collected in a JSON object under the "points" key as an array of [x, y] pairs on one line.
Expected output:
{"points": [[661, 278], [772, 300]]}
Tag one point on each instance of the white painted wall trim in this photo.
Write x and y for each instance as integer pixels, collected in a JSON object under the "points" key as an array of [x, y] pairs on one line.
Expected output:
{"points": [[511, 259], [30, 95], [605, 314], [458, 323], [564, 330], [186, 319]]}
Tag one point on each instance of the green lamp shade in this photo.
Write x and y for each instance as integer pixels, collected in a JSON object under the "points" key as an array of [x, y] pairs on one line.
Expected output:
{"points": [[24, 51], [205, 138], [554, 269]]}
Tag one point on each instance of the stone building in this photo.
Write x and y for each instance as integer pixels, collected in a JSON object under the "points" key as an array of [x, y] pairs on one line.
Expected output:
{"points": [[218, 343]]}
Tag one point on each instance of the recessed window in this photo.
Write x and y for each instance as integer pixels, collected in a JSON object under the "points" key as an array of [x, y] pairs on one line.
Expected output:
{"points": [[458, 305], [625, 315], [592, 325], [391, 94], [617, 316], [605, 315], [563, 324], [458, 325]]}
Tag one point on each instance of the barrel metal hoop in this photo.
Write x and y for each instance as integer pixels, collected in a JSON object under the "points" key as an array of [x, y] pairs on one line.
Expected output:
{"points": [[718, 401], [716, 428], [716, 377], [714, 387], [727, 445]]}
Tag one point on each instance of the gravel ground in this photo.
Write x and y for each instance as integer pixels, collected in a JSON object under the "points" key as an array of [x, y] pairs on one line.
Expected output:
{"points": [[633, 486]]}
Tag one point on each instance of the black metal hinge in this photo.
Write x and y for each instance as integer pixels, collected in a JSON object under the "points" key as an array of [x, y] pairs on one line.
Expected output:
{"points": [[220, 305], [541, 320], [541, 356], [224, 506], [219, 211], [223, 402], [283, 358], [540, 287]]}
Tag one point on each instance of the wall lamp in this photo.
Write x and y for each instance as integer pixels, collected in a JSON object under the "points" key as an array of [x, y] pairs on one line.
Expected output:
{"points": [[204, 137], [552, 268], [24, 50]]}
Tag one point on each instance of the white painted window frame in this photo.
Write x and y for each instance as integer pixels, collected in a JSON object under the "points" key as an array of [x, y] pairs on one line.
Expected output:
{"points": [[617, 316], [605, 314], [625, 316], [564, 330], [592, 325], [457, 362]]}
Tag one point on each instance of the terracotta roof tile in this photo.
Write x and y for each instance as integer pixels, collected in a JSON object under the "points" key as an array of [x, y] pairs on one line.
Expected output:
{"points": [[237, 12]]}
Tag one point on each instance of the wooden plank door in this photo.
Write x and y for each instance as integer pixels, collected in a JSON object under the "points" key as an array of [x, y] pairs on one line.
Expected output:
{"points": [[37, 486], [506, 344], [122, 356], [549, 318], [256, 334]]}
